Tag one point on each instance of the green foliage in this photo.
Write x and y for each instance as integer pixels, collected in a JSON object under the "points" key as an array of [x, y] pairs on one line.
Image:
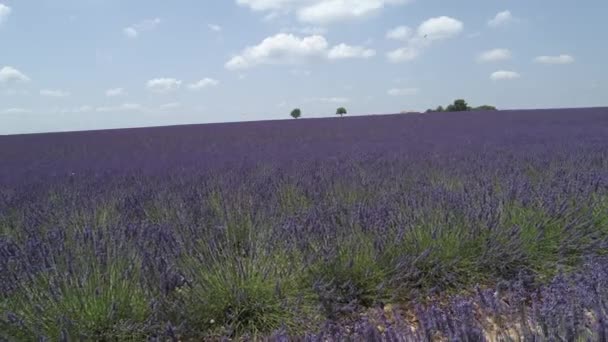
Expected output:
{"points": [[341, 111], [108, 303], [354, 274], [485, 108], [460, 105], [256, 294], [296, 113]]}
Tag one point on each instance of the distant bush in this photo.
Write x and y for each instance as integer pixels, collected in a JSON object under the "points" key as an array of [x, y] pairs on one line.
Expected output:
{"points": [[460, 105], [485, 107]]}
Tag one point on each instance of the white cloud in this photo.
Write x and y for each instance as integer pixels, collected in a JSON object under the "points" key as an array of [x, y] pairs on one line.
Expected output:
{"points": [[214, 27], [115, 92], [171, 105], [428, 32], [440, 28], [75, 110], [204, 83], [327, 11], [402, 33], [163, 85], [15, 92], [5, 11], [307, 30], [54, 93], [123, 107], [10, 74], [135, 30], [15, 111], [320, 11], [130, 32], [279, 49], [501, 19], [405, 54], [504, 75], [300, 72], [289, 49], [402, 91], [344, 51], [561, 59], [330, 99], [84, 109], [494, 55]]}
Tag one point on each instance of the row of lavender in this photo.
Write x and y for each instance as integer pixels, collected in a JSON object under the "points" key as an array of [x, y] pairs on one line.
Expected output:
{"points": [[229, 230]]}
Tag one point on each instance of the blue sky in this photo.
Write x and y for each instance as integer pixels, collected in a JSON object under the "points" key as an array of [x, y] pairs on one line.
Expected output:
{"points": [[93, 64]]}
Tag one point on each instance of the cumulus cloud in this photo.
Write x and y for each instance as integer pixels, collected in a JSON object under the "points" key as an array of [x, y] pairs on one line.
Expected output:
{"points": [[403, 33], [74, 110], [330, 99], [440, 28], [307, 30], [5, 11], [504, 75], [114, 92], [15, 92], [494, 55], [204, 83], [327, 11], [402, 91], [428, 32], [10, 74], [300, 72], [405, 54], [132, 107], [289, 49], [344, 51], [15, 111], [280, 49], [561, 59], [501, 19], [214, 27], [54, 93], [163, 85], [135, 30], [171, 105], [321, 11]]}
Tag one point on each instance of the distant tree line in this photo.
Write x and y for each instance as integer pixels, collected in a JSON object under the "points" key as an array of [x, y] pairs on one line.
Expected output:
{"points": [[297, 113], [460, 105]]}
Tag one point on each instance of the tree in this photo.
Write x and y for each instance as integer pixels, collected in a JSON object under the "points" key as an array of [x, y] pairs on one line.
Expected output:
{"points": [[459, 105], [341, 111], [439, 109], [296, 113]]}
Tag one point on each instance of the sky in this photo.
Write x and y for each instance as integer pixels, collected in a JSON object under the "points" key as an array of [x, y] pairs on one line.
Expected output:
{"points": [[70, 65]]}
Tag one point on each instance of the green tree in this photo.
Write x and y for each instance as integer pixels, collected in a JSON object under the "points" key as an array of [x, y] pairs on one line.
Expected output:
{"points": [[296, 113], [459, 105], [341, 111]]}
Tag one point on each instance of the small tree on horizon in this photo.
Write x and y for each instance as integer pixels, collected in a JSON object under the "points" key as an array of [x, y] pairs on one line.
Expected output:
{"points": [[296, 113], [341, 111]]}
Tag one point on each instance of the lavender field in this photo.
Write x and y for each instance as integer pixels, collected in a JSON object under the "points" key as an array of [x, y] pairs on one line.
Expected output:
{"points": [[465, 226]]}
